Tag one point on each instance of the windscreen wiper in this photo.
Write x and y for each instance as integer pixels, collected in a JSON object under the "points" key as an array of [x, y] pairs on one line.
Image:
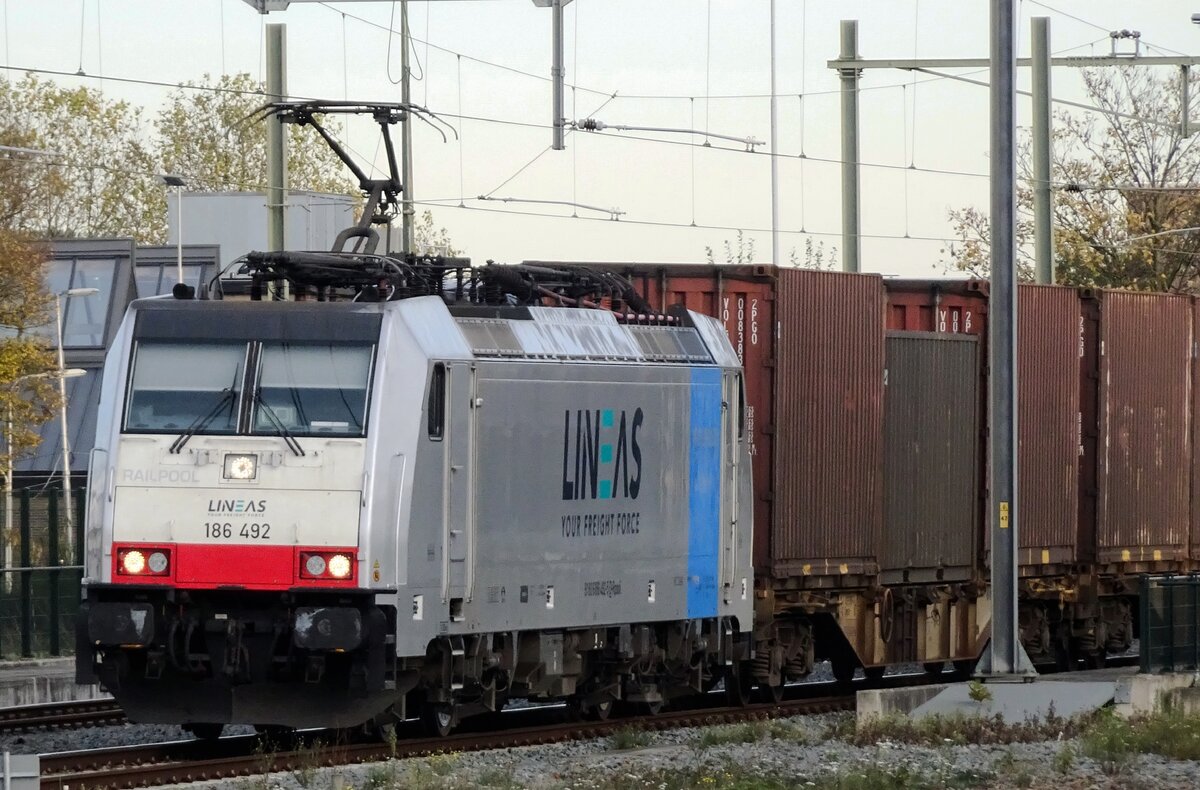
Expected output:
{"points": [[202, 422], [288, 439]]}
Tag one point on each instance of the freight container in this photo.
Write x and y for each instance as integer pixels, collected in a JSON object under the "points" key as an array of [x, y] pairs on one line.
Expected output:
{"points": [[812, 344], [1145, 430], [932, 503], [1051, 517], [944, 306], [1051, 351], [829, 424]]}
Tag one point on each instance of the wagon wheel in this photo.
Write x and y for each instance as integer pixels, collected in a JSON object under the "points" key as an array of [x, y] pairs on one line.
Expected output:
{"points": [[438, 718]]}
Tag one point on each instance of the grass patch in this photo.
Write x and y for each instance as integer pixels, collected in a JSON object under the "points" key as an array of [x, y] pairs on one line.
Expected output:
{"points": [[733, 776], [1115, 743], [629, 738], [750, 732], [957, 730]]}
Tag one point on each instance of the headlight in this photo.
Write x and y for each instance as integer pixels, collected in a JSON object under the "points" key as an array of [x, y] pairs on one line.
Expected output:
{"points": [[315, 565], [134, 562], [241, 467], [157, 563], [339, 566]]}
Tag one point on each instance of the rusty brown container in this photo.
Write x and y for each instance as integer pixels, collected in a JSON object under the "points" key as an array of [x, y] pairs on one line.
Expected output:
{"points": [[829, 424], [931, 498], [1195, 530], [1049, 347], [944, 306], [1144, 508]]}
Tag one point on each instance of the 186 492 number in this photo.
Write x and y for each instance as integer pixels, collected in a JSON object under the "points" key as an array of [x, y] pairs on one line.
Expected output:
{"points": [[248, 530]]}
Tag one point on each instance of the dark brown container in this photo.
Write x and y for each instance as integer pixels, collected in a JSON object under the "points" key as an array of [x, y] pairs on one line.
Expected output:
{"points": [[829, 424], [931, 502], [1049, 346], [1145, 429]]}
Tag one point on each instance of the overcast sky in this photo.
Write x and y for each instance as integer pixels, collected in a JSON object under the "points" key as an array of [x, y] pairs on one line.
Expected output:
{"points": [[671, 63]]}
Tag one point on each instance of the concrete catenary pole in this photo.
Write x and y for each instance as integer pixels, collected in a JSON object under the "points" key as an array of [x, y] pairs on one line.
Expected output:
{"points": [[1005, 657], [1043, 206], [407, 210], [276, 141], [850, 201]]}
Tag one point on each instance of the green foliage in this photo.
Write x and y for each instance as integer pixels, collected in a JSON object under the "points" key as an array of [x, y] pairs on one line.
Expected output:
{"points": [[959, 730], [1064, 761], [978, 691], [750, 732], [1114, 742], [100, 179], [1115, 178], [28, 389], [629, 738]]}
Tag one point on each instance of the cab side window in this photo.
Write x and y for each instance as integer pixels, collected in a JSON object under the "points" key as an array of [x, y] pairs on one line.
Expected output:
{"points": [[436, 408]]}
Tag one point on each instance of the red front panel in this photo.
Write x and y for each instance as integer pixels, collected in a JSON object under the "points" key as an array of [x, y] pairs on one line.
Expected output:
{"points": [[207, 566]]}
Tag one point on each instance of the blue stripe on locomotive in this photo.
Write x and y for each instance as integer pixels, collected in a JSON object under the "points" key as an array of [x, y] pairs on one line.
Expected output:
{"points": [[704, 493]]}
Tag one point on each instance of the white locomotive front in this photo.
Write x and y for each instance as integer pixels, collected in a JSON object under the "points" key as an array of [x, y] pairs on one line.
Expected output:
{"points": [[334, 513]]}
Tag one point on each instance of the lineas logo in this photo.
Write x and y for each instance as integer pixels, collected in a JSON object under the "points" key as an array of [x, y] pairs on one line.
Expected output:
{"points": [[601, 455]]}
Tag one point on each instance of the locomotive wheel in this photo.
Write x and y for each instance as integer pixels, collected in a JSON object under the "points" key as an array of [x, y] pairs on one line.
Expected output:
{"points": [[438, 719], [934, 668], [653, 708], [1095, 660], [875, 673], [205, 731]]}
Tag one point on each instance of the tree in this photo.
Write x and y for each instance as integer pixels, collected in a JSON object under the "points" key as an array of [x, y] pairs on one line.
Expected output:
{"points": [[209, 137], [98, 175], [24, 306], [1119, 174]]}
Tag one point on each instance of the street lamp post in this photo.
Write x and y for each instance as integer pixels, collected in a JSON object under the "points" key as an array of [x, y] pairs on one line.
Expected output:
{"points": [[62, 394], [177, 183], [8, 474]]}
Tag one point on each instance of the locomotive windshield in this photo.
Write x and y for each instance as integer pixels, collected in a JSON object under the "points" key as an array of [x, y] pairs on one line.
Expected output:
{"points": [[301, 389], [178, 385], [312, 389]]}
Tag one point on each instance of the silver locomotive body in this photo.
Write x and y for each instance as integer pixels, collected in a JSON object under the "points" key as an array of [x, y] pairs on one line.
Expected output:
{"points": [[328, 514]]}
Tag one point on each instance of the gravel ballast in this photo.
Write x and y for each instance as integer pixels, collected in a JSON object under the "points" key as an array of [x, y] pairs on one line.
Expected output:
{"points": [[794, 752]]}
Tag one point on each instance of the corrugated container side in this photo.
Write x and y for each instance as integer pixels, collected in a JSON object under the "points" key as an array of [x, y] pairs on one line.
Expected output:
{"points": [[1145, 427], [829, 424], [931, 457], [743, 299], [1195, 528], [944, 306], [1048, 387]]}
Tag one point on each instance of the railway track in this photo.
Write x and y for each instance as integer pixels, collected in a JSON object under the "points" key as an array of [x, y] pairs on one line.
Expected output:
{"points": [[193, 761], [61, 715], [241, 756]]}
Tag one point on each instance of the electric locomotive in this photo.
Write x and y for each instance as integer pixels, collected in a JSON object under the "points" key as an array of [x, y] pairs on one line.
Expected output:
{"points": [[428, 490]]}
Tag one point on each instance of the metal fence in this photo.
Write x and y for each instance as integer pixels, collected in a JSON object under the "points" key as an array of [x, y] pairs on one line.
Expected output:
{"points": [[40, 573], [1170, 623]]}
